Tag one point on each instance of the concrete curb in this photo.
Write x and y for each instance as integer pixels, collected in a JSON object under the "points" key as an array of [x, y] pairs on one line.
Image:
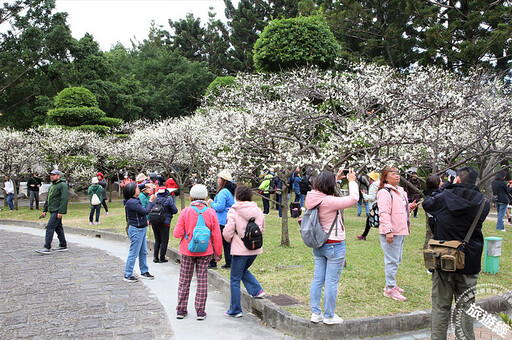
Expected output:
{"points": [[276, 317]]}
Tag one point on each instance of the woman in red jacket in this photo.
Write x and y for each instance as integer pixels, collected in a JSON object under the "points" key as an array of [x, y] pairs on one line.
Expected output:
{"points": [[184, 230]]}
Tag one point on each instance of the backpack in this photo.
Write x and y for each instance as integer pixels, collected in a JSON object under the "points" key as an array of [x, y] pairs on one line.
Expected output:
{"points": [[201, 235], [295, 210], [95, 200], [156, 215], [373, 216], [311, 230], [253, 239], [304, 185]]}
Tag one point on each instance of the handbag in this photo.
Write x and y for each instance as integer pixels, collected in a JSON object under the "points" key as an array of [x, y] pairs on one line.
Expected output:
{"points": [[449, 255], [312, 232]]}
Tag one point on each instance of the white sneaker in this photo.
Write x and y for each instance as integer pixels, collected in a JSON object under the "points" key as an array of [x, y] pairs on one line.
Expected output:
{"points": [[90, 223], [107, 212], [316, 318], [333, 321]]}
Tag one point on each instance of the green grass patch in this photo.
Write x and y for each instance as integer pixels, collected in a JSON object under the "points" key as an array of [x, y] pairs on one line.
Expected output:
{"points": [[289, 270]]}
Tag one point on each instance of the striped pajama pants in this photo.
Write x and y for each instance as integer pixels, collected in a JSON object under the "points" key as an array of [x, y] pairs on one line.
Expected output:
{"points": [[186, 273]]}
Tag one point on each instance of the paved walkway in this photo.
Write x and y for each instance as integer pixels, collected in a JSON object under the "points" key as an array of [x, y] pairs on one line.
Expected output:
{"points": [[81, 294]]}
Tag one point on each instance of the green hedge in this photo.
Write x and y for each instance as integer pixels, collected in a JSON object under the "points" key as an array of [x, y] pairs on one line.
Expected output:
{"points": [[75, 116], [100, 129]]}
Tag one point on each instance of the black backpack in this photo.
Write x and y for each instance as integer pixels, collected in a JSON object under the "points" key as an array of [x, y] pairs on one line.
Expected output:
{"points": [[304, 185], [295, 209], [253, 239], [156, 215], [373, 217]]}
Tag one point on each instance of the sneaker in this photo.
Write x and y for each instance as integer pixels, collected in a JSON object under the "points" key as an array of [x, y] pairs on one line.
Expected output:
{"points": [[333, 321], [155, 260], [201, 316], [130, 279], [90, 223], [400, 290], [237, 315], [212, 266], [394, 294], [147, 276], [107, 212], [44, 251], [260, 295], [225, 266], [61, 248], [96, 223], [316, 318], [164, 260], [181, 315], [361, 238]]}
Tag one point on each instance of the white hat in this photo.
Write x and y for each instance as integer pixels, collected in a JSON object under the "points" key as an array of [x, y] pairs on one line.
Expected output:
{"points": [[199, 192], [140, 177], [224, 174], [94, 180]]}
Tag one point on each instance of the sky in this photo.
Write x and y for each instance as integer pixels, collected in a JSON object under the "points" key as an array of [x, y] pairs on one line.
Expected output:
{"points": [[112, 21]]}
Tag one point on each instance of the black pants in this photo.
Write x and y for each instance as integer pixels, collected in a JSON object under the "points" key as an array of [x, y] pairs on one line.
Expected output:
{"points": [[104, 204], [161, 240], [54, 225], [367, 228], [266, 205], [227, 251]]}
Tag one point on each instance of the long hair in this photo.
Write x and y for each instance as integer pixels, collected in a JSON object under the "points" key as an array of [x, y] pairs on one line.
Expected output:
{"points": [[325, 182], [222, 184], [384, 176], [129, 190]]}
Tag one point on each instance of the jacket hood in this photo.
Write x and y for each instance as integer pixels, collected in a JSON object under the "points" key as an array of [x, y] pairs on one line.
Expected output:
{"points": [[246, 209], [462, 198], [231, 187], [314, 198], [162, 194]]}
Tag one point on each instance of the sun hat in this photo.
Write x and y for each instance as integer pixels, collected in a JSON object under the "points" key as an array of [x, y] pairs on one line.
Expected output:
{"points": [[140, 177], [374, 175], [224, 174], [199, 192]]}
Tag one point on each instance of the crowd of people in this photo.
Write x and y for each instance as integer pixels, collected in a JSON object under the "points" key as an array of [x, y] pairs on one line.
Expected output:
{"points": [[451, 207]]}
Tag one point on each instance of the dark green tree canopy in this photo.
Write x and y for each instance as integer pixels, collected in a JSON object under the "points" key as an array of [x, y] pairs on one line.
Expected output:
{"points": [[296, 42]]}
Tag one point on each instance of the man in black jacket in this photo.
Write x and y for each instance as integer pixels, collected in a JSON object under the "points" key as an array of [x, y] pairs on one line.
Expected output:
{"points": [[454, 207], [34, 183]]}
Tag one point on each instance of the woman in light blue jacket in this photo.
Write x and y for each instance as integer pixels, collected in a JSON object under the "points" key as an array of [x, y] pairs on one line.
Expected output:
{"points": [[224, 199]]}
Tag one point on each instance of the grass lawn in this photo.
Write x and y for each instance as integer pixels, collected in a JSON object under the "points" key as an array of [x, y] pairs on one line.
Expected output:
{"points": [[290, 270]]}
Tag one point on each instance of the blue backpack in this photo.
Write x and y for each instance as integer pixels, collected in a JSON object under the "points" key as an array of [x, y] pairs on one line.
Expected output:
{"points": [[201, 235]]}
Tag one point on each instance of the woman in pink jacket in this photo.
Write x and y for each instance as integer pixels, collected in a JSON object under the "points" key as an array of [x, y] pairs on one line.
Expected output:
{"points": [[330, 257], [394, 225], [185, 225], [242, 258]]}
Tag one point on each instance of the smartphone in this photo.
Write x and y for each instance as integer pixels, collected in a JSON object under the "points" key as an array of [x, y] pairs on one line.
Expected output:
{"points": [[345, 172]]}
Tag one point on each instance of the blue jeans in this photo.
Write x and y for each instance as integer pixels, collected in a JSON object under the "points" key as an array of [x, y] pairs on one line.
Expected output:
{"points": [[392, 257], [9, 199], [240, 272], [366, 207], [54, 225], [138, 248], [329, 260], [97, 209], [299, 198], [279, 198], [502, 209]]}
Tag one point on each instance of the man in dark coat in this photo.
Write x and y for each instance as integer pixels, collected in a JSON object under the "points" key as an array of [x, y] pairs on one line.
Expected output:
{"points": [[455, 207]]}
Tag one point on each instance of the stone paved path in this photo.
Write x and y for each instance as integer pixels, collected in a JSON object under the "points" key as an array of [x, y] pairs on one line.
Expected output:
{"points": [[74, 294]]}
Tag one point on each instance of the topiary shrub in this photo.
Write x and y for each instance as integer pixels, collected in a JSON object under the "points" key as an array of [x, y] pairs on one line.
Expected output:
{"points": [[295, 42], [75, 116], [75, 97]]}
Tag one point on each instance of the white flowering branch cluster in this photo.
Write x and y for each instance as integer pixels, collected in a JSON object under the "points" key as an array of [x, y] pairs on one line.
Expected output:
{"points": [[366, 118]]}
